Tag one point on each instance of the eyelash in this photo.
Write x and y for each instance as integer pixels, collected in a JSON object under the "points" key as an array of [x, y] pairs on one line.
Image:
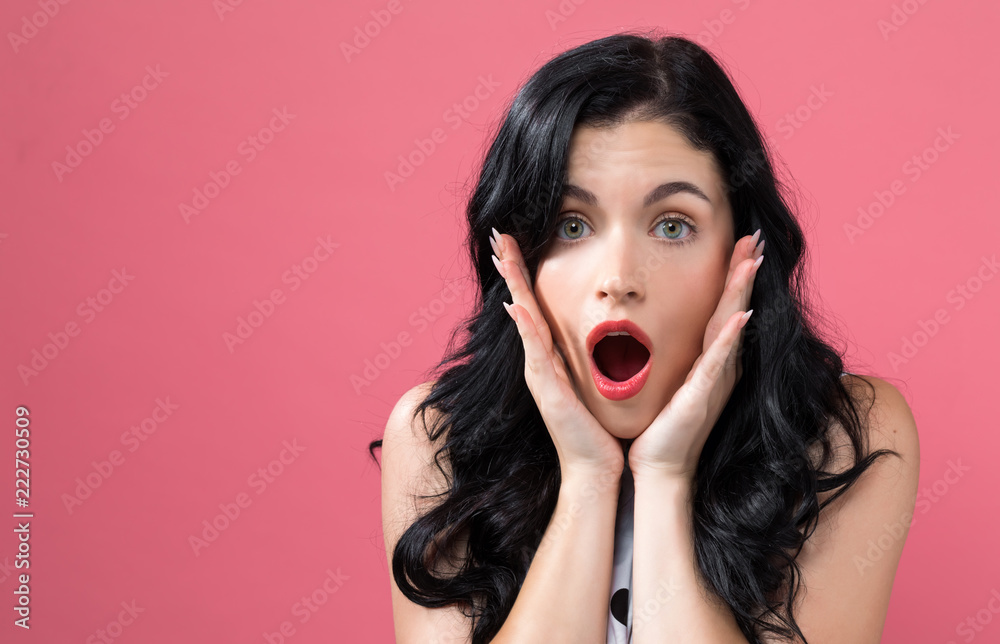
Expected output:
{"points": [[677, 242]]}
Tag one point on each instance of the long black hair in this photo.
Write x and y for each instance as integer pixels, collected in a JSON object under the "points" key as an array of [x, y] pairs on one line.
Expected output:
{"points": [[758, 478]]}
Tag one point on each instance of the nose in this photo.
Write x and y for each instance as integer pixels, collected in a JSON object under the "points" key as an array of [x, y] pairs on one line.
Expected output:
{"points": [[620, 276]]}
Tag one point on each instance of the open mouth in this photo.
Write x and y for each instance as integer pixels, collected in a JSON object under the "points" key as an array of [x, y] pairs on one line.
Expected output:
{"points": [[620, 358]]}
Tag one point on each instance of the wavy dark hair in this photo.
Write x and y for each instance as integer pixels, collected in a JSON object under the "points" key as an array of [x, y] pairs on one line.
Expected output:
{"points": [[757, 481]]}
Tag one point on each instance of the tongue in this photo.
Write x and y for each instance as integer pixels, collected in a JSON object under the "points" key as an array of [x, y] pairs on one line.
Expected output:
{"points": [[619, 357]]}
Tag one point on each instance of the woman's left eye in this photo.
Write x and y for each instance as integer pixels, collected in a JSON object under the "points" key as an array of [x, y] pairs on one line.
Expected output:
{"points": [[571, 228], [673, 228]]}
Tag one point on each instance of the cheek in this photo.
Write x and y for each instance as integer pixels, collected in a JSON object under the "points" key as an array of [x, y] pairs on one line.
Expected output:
{"points": [[687, 316], [553, 293], [690, 289], [690, 301]]}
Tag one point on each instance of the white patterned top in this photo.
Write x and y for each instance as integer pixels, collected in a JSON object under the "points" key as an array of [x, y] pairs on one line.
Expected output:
{"points": [[620, 611]]}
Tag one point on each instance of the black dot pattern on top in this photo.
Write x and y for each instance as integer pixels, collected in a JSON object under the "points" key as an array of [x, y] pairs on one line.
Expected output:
{"points": [[619, 605]]}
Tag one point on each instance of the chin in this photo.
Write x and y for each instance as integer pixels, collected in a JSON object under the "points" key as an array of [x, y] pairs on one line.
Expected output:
{"points": [[622, 423]]}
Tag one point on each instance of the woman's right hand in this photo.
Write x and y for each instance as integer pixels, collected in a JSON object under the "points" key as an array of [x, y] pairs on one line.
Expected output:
{"points": [[581, 442]]}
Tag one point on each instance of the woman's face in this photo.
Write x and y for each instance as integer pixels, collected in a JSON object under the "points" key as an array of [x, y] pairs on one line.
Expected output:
{"points": [[635, 241]]}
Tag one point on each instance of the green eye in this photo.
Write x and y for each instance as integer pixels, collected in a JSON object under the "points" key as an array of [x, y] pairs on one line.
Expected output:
{"points": [[571, 228], [673, 228]]}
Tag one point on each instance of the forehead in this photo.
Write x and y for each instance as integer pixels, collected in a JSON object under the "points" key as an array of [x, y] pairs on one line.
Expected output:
{"points": [[640, 153]]}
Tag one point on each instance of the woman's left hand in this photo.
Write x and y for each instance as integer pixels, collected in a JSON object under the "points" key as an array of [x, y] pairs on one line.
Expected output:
{"points": [[672, 443]]}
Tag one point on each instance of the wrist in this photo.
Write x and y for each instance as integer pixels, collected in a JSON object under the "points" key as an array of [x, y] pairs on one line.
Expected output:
{"points": [[610, 467], [664, 478], [591, 481]]}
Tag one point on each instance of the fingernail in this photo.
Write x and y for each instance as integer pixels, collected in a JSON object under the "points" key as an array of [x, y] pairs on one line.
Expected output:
{"points": [[756, 265], [744, 318], [510, 310], [753, 240], [496, 233], [496, 249], [496, 262]]}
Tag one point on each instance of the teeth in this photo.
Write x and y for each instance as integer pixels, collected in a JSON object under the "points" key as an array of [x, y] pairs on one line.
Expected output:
{"points": [[619, 333]]}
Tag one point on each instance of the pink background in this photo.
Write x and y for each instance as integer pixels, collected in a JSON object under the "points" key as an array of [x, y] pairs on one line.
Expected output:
{"points": [[321, 174]]}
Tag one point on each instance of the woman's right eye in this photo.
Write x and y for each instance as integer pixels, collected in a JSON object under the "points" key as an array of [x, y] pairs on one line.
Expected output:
{"points": [[571, 228]]}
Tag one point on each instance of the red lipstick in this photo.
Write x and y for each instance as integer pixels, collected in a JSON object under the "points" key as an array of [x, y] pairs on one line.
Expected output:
{"points": [[618, 389]]}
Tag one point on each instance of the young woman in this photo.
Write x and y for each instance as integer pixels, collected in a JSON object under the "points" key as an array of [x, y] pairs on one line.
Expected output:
{"points": [[651, 443]]}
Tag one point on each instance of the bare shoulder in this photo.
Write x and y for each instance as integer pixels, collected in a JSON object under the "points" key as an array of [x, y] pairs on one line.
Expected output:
{"points": [[408, 456], [402, 428], [849, 562], [409, 473], [889, 419]]}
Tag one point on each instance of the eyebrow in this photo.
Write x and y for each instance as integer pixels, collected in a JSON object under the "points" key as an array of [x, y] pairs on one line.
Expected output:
{"points": [[658, 193]]}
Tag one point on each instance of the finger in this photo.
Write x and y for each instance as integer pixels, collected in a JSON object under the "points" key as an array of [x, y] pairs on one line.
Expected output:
{"points": [[733, 358], [717, 358], [735, 297], [746, 248], [740, 268], [751, 279], [520, 288], [509, 249], [521, 294], [537, 359], [567, 373]]}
